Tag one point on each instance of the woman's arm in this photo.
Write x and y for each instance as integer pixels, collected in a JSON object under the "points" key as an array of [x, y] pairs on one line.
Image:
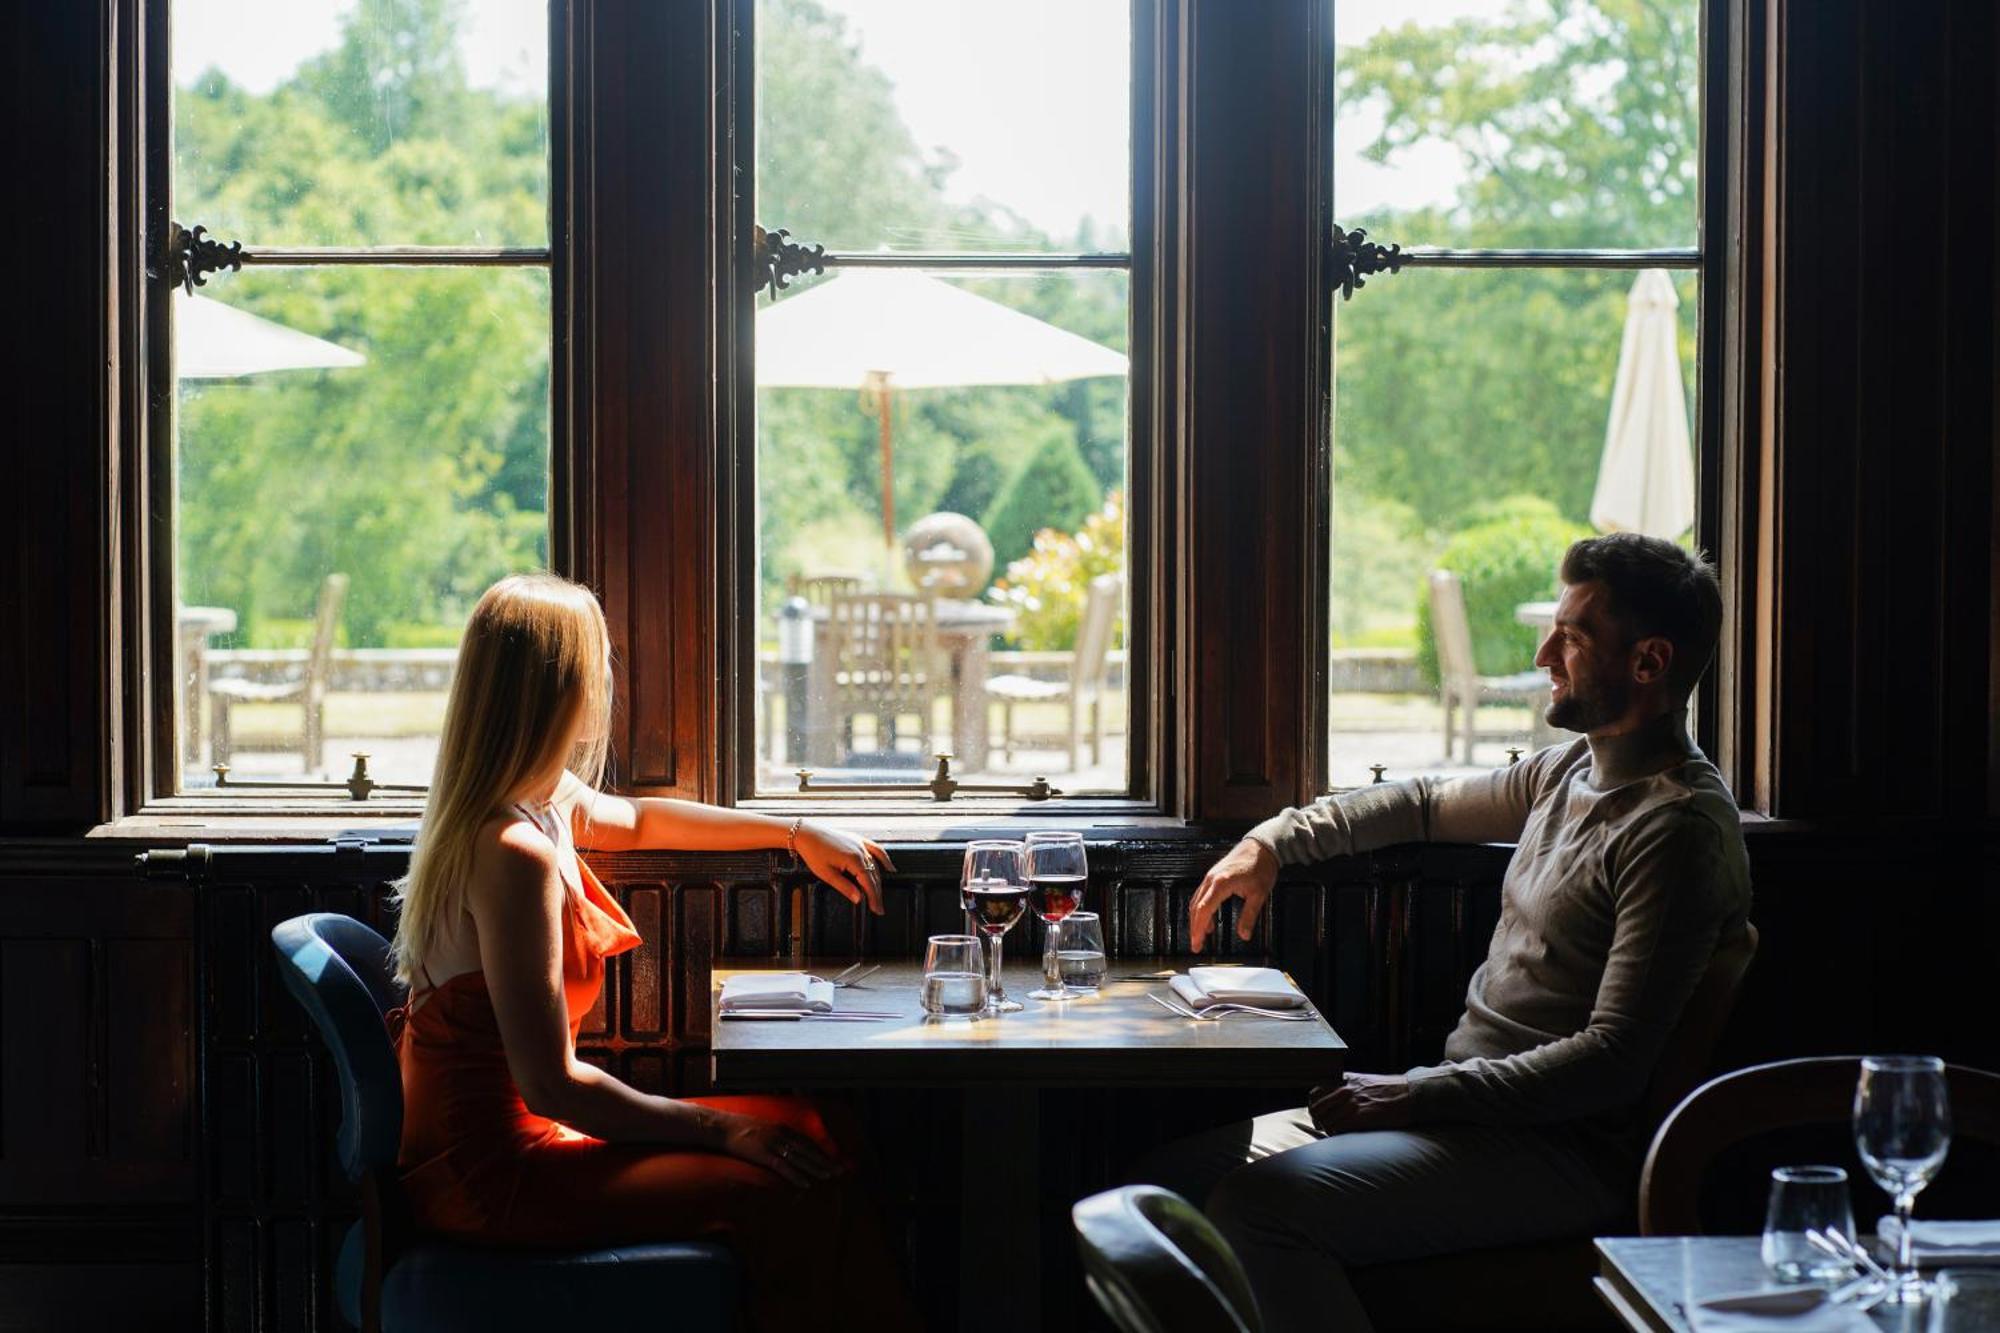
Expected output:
{"points": [[606, 823], [517, 903]]}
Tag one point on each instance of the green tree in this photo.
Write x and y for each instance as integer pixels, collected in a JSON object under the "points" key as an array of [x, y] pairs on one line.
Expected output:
{"points": [[1577, 123], [1052, 490]]}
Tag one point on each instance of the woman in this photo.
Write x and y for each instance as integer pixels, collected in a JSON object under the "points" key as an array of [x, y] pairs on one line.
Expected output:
{"points": [[507, 1137]]}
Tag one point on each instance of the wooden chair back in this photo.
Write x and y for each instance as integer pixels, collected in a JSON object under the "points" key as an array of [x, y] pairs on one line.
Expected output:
{"points": [[326, 626], [820, 589], [885, 653], [1690, 1052], [1093, 635], [1452, 630], [1788, 1094]]}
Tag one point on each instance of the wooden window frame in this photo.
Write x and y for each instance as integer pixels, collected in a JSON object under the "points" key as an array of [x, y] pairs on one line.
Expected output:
{"points": [[650, 474]]}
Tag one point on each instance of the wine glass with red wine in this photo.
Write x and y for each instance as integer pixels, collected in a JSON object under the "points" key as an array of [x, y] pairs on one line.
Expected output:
{"points": [[993, 889], [1057, 872]]}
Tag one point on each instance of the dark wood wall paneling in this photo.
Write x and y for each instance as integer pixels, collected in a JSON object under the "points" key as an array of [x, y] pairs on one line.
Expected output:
{"points": [[1384, 943], [1885, 557], [1257, 395]]}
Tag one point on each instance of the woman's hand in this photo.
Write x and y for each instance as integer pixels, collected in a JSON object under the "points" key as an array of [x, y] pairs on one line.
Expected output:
{"points": [[853, 866], [793, 1156]]}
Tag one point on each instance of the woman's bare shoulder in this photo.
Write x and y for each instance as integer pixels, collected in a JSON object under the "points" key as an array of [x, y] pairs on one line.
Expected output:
{"points": [[512, 861]]}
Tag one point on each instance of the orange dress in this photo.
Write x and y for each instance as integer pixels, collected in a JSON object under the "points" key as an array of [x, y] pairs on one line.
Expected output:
{"points": [[478, 1165]]}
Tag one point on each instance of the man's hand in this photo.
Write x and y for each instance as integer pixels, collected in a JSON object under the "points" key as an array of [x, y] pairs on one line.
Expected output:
{"points": [[1361, 1101], [1248, 871]]}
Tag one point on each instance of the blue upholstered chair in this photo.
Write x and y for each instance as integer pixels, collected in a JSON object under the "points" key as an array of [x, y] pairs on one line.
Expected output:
{"points": [[1156, 1265], [391, 1279]]}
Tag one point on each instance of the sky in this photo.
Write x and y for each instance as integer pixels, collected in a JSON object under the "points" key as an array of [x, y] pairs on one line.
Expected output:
{"points": [[1030, 96]]}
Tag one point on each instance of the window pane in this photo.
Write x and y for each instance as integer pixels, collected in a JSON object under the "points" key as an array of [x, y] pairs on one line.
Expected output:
{"points": [[333, 122], [1519, 123], [1000, 549], [416, 476], [1471, 435], [949, 125]]}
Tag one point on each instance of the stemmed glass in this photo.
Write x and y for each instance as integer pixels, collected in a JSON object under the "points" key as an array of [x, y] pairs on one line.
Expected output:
{"points": [[1902, 1128], [993, 889], [1057, 872]]}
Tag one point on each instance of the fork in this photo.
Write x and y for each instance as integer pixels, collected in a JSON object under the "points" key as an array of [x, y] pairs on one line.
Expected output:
{"points": [[853, 975], [1213, 1012]]}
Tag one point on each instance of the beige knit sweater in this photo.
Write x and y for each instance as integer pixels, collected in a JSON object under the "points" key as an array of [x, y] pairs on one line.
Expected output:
{"points": [[1628, 874]]}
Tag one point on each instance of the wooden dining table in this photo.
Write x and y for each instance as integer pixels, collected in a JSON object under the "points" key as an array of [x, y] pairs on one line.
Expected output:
{"points": [[1118, 1038]]}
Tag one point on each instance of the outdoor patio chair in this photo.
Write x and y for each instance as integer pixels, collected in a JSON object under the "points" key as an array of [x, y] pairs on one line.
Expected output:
{"points": [[885, 664], [308, 691], [1461, 689], [1086, 683], [821, 588]]}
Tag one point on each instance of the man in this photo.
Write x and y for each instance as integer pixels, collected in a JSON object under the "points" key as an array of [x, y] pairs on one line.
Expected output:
{"points": [[1628, 877]]}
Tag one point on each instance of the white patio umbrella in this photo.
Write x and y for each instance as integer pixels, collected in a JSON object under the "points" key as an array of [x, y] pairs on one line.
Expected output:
{"points": [[1645, 481], [878, 330], [215, 341]]}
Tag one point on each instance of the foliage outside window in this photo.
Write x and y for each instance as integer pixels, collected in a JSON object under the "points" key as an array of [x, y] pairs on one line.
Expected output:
{"points": [[883, 133], [1471, 402], [360, 447]]}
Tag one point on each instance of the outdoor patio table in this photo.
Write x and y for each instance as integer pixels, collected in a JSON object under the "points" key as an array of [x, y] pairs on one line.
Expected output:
{"points": [[962, 631], [1116, 1039], [195, 626], [1652, 1282]]}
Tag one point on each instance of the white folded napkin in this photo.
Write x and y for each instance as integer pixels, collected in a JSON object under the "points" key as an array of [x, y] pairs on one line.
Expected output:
{"points": [[1935, 1244], [1790, 1310], [777, 990], [1265, 987]]}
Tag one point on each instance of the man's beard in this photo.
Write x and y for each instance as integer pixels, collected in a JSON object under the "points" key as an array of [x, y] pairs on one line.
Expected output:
{"points": [[1580, 710]]}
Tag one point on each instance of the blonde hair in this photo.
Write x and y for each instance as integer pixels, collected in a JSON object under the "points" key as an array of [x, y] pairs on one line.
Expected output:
{"points": [[531, 668]]}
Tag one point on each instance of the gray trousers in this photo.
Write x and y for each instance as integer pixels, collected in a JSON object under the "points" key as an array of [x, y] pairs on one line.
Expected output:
{"points": [[1300, 1207]]}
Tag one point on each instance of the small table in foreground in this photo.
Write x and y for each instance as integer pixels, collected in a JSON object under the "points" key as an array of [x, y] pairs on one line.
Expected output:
{"points": [[1115, 1039], [1652, 1282]]}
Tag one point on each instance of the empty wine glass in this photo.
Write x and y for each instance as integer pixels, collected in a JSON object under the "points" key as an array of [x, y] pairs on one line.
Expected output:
{"points": [[993, 889], [1057, 872], [1902, 1128]]}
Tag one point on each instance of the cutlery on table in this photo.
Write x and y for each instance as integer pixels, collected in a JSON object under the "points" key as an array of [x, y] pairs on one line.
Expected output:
{"points": [[853, 974], [1214, 1012], [1839, 1246], [838, 1016], [1165, 974]]}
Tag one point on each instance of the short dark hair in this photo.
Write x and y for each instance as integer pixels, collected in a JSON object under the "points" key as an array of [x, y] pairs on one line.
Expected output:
{"points": [[1655, 587]]}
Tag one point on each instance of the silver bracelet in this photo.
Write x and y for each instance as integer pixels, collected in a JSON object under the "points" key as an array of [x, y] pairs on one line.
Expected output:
{"points": [[792, 837]]}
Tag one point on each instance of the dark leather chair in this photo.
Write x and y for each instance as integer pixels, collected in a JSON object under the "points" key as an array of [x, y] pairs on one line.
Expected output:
{"points": [[1785, 1095], [1156, 1265], [390, 1278], [1546, 1285]]}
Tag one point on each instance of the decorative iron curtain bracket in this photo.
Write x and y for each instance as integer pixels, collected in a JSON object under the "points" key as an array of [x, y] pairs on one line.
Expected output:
{"points": [[190, 256], [1351, 258], [779, 259]]}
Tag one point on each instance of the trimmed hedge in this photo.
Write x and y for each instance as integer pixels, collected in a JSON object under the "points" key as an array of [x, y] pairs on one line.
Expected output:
{"points": [[1507, 554]]}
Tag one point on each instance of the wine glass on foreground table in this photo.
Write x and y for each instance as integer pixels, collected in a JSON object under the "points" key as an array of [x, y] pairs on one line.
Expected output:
{"points": [[1057, 872], [993, 889], [1902, 1128]]}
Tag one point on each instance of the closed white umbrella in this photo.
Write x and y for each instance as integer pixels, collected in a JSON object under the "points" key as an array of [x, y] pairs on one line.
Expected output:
{"points": [[878, 330], [1645, 481], [214, 341]]}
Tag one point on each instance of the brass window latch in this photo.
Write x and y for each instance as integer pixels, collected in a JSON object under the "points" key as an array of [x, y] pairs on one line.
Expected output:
{"points": [[942, 786]]}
